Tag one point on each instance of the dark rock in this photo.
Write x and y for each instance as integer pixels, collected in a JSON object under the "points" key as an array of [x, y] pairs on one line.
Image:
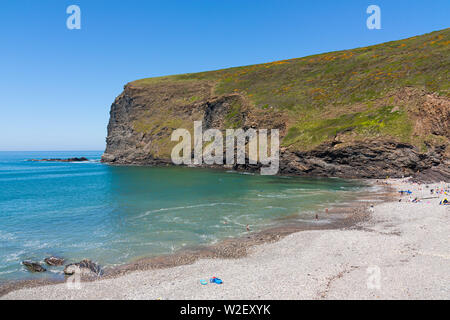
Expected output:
{"points": [[33, 266], [371, 159], [61, 160], [85, 266], [54, 261], [434, 174]]}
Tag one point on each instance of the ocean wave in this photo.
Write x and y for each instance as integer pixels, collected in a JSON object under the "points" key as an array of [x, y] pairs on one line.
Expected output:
{"points": [[14, 257], [190, 207], [282, 196], [86, 162], [241, 172], [54, 176], [6, 236], [36, 244], [6, 272]]}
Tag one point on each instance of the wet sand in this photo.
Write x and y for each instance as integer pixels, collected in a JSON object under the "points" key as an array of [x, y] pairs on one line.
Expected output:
{"points": [[405, 243]]}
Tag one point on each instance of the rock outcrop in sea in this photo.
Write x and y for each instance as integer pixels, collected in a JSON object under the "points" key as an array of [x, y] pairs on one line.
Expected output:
{"points": [[54, 261], [33, 266], [76, 159]]}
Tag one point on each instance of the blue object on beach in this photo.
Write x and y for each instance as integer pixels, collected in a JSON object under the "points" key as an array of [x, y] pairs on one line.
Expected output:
{"points": [[215, 280], [203, 282]]}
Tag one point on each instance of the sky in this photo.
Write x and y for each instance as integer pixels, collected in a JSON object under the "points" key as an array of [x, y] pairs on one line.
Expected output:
{"points": [[57, 85]]}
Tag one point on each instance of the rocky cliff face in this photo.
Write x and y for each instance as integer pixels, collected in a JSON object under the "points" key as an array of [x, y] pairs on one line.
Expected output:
{"points": [[368, 158], [393, 128]]}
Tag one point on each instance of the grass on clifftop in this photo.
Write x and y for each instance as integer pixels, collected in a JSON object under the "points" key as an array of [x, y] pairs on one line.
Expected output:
{"points": [[382, 121], [331, 93]]}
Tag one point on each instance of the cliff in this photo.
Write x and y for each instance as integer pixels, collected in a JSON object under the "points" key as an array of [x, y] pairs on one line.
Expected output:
{"points": [[376, 111]]}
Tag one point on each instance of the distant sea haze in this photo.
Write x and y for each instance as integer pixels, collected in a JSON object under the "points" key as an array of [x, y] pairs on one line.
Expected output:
{"points": [[114, 214]]}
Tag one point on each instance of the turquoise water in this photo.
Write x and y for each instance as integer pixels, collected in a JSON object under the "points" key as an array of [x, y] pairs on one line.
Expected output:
{"points": [[113, 215]]}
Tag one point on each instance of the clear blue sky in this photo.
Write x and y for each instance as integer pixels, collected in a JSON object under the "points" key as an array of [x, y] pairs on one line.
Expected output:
{"points": [[57, 85]]}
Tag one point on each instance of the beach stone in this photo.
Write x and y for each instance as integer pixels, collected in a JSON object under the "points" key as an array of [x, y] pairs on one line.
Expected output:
{"points": [[33, 266], [85, 266], [54, 261]]}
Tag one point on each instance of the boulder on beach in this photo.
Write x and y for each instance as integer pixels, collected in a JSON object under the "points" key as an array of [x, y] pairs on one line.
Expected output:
{"points": [[33, 266], [54, 261], [86, 267]]}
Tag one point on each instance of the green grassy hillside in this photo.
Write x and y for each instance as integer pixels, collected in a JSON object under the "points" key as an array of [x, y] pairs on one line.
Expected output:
{"points": [[357, 93]]}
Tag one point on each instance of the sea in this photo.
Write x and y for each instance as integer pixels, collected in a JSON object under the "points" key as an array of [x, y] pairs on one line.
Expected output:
{"points": [[116, 214]]}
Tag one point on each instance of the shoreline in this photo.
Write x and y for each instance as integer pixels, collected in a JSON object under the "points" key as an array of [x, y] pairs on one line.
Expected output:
{"points": [[395, 250], [343, 216], [402, 243]]}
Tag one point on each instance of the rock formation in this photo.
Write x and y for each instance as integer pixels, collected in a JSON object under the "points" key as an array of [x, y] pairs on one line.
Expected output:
{"points": [[365, 113]]}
